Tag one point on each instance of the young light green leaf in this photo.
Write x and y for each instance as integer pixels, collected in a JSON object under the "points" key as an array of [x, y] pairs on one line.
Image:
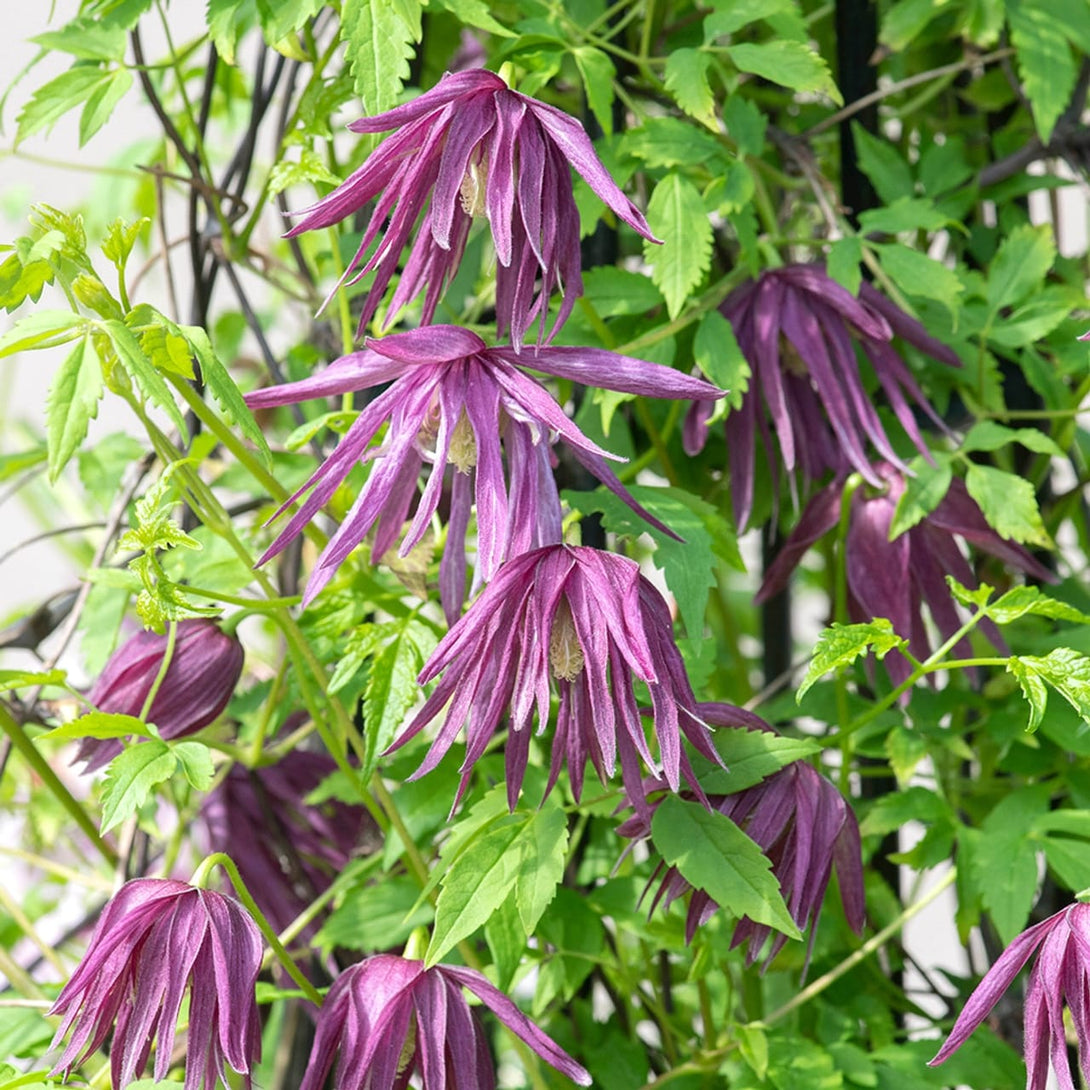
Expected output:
{"points": [[120, 239], [717, 354], [61, 94], [543, 844], [923, 493], [41, 329], [475, 13], [1019, 601], [310, 167], [196, 761], [788, 63], [598, 74], [101, 102], [101, 725], [1020, 265], [676, 215], [225, 19], [1008, 503], [72, 404], [841, 644], [279, 18], [686, 78], [86, 38], [142, 371], [714, 855], [130, 777], [989, 435], [379, 36], [1064, 670]]}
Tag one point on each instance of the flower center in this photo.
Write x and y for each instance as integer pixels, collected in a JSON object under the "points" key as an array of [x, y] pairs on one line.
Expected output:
{"points": [[472, 189], [565, 651], [463, 445]]}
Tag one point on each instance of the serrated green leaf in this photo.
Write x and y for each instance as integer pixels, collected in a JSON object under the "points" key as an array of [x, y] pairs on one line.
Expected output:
{"points": [[543, 846], [750, 756], [130, 777], [840, 645], [101, 725], [1019, 601], [990, 435], [1069, 860], [882, 163], [42, 329], [85, 37], [905, 749], [788, 63], [101, 103], [612, 291], [923, 493], [1008, 503], [72, 403], [598, 73], [904, 21], [167, 351], [279, 18], [475, 13], [732, 15], [22, 679], [714, 855], [475, 885], [217, 378], [142, 371], [63, 93], [1034, 319], [196, 761], [746, 125], [120, 239], [671, 142], [686, 78], [903, 214], [379, 38], [716, 351], [895, 809], [506, 942], [1019, 266], [676, 215], [1064, 670], [843, 261], [919, 275], [375, 914], [226, 19], [310, 167], [1045, 62]]}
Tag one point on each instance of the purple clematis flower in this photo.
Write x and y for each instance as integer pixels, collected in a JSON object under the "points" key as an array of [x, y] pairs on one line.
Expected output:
{"points": [[478, 149], [797, 327], [1061, 974], [591, 623], [391, 1019], [202, 675], [293, 850], [155, 940], [799, 820], [453, 400], [895, 579]]}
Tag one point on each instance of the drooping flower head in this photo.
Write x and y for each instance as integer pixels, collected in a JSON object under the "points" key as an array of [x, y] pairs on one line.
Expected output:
{"points": [[156, 940], [589, 623], [294, 849], [477, 148], [895, 579], [799, 820], [1060, 976], [203, 671], [391, 1019], [454, 401], [797, 327]]}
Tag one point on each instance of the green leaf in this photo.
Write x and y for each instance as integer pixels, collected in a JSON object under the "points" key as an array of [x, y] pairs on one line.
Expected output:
{"points": [[750, 756], [22, 679], [310, 167], [686, 78], [880, 161], [676, 215], [86, 38], [101, 103], [841, 644], [1064, 670], [475, 13], [72, 403], [379, 36], [120, 239], [919, 275], [612, 291], [788, 63], [506, 942], [714, 855], [477, 882], [1008, 503], [130, 777], [903, 214], [1034, 319], [904, 21], [101, 725], [279, 18], [226, 19], [55, 98], [42, 329], [196, 761], [731, 15], [746, 125], [1019, 266], [843, 262], [375, 915], [142, 371], [1046, 64], [598, 74], [671, 142], [717, 354], [989, 435], [1019, 601], [543, 845], [217, 378], [923, 493]]}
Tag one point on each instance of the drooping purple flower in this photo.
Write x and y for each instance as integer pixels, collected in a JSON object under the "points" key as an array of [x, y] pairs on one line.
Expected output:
{"points": [[203, 671], [391, 1019], [590, 623], [895, 579], [477, 148], [797, 327], [452, 400], [155, 940], [802, 824], [1060, 975], [293, 850]]}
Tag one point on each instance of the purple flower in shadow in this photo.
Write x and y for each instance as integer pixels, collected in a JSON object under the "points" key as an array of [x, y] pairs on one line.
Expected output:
{"points": [[895, 579], [477, 148], [293, 850], [452, 400], [391, 1019], [204, 669], [1060, 975], [588, 622], [797, 327], [798, 819], [155, 940]]}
